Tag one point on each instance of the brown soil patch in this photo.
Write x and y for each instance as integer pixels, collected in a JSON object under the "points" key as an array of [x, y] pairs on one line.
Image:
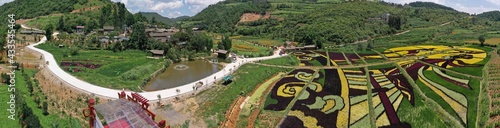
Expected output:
{"points": [[86, 9], [268, 15], [248, 17], [22, 21]]}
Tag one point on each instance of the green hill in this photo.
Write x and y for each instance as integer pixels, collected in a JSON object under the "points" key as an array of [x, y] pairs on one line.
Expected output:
{"points": [[159, 18], [430, 5], [491, 15]]}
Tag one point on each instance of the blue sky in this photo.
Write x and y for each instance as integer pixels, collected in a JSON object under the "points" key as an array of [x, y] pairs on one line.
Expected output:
{"points": [[176, 8]]}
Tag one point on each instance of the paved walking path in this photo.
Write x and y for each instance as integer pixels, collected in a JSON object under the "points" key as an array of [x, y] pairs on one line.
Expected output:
{"points": [[113, 93]]}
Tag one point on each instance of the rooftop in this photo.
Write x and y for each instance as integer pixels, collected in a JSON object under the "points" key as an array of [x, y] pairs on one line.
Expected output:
{"points": [[122, 113], [157, 52]]}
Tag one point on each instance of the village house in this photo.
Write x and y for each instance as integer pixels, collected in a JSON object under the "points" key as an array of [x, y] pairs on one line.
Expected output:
{"points": [[106, 29], [120, 38], [80, 29], [222, 54], [384, 18], [172, 30], [104, 40], [162, 37], [32, 32], [157, 53]]}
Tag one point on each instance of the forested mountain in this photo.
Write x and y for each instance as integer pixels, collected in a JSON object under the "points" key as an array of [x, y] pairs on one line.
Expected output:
{"points": [[222, 17], [429, 5], [491, 15], [310, 22], [159, 18]]}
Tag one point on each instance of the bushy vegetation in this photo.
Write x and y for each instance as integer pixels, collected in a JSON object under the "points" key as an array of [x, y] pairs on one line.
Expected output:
{"points": [[337, 23], [32, 106], [491, 15], [289, 60], [222, 17]]}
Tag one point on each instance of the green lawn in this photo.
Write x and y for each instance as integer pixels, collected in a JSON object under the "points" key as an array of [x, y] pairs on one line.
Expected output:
{"points": [[245, 79], [289, 60], [126, 69]]}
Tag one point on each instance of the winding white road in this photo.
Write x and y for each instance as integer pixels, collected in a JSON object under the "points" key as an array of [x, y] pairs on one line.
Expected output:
{"points": [[113, 94]]}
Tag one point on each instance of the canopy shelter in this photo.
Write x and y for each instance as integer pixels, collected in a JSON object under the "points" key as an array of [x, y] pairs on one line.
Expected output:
{"points": [[227, 79], [122, 113]]}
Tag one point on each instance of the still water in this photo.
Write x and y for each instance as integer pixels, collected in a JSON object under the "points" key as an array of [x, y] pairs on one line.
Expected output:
{"points": [[182, 73]]}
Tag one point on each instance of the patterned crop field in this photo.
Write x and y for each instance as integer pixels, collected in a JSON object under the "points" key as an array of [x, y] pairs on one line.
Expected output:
{"points": [[340, 98]]}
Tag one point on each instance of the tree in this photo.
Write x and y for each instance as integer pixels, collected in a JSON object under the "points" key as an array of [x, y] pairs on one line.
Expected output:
{"points": [[5, 78], [48, 32], [60, 26], [370, 45], [129, 20], [159, 99], [226, 42], [105, 11], [91, 25], [138, 38], [45, 108], [395, 22], [153, 20], [17, 27], [116, 18], [481, 39]]}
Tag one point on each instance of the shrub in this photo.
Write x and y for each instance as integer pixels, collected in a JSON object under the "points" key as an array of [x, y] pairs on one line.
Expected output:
{"points": [[74, 51]]}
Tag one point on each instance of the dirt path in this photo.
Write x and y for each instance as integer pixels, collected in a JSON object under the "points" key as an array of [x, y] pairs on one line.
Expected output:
{"points": [[232, 113]]}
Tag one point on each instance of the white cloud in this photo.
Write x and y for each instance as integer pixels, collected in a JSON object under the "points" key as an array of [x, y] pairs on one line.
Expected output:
{"points": [[174, 14], [196, 8], [471, 10], [167, 5], [5, 1], [202, 2], [496, 2]]}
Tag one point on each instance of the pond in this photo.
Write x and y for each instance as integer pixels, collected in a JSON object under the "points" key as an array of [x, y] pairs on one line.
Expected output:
{"points": [[182, 73]]}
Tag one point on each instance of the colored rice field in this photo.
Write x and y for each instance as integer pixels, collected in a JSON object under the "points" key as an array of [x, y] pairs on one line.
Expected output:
{"points": [[339, 97]]}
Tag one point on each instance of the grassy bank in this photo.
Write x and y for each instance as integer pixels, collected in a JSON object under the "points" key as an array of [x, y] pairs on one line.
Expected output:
{"points": [[246, 78], [289, 60], [56, 119], [4, 119]]}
